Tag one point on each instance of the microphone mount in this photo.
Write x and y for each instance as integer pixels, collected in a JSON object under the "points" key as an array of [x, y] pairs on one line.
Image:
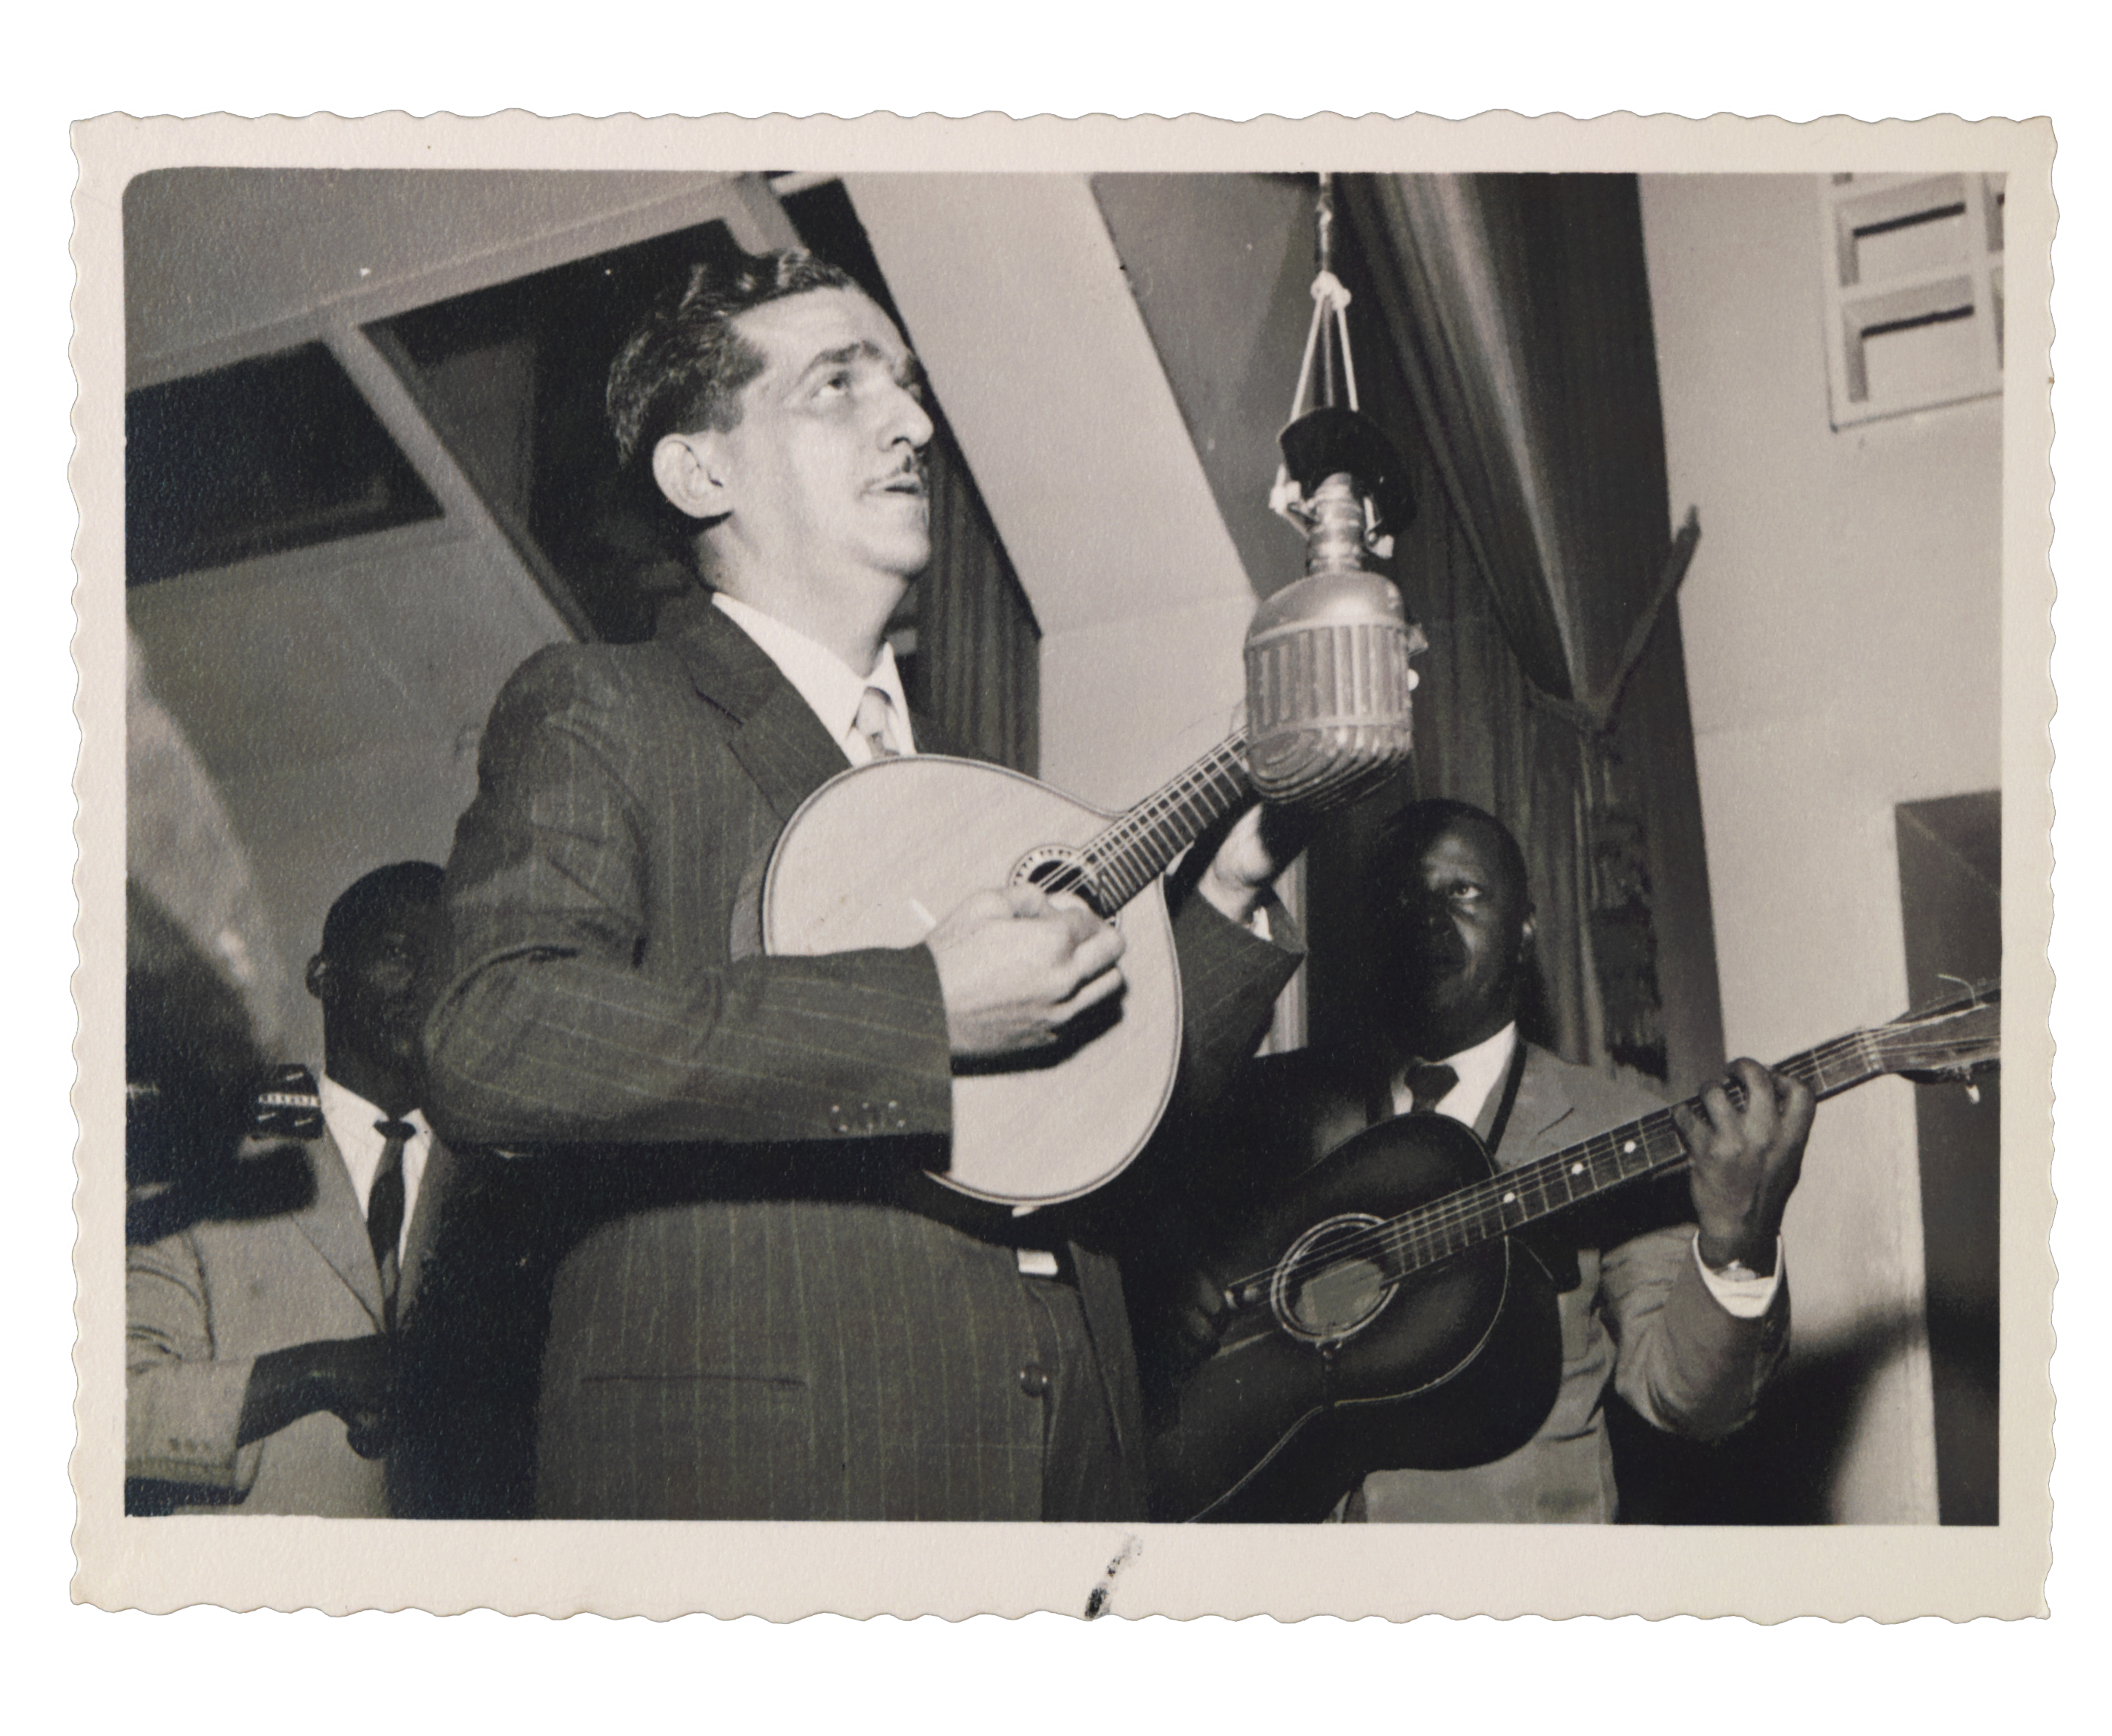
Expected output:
{"points": [[1328, 677]]}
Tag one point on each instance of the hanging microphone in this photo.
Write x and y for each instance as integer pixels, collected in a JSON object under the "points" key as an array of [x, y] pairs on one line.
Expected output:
{"points": [[1328, 712], [1328, 680]]}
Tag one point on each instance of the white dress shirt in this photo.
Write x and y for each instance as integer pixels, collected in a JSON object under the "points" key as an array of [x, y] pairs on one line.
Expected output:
{"points": [[831, 687], [1481, 1069], [350, 1119]]}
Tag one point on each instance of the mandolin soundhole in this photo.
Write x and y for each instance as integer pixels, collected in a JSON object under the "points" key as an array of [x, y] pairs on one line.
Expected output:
{"points": [[1330, 1284], [1056, 868]]}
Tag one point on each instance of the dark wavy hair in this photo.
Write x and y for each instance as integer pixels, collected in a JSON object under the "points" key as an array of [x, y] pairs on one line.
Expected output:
{"points": [[684, 367]]}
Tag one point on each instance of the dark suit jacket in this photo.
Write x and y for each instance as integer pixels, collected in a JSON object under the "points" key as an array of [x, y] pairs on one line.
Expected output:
{"points": [[203, 1303], [762, 1313], [1636, 1313]]}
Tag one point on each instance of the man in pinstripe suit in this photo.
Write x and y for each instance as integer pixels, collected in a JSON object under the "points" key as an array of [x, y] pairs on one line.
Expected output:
{"points": [[766, 1308]]}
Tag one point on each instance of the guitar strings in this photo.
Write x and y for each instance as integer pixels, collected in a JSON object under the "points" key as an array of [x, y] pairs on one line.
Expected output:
{"points": [[1471, 1206], [1474, 1205]]}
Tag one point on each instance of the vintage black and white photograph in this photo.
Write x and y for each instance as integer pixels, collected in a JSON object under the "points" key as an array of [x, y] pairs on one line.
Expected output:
{"points": [[1200, 853]]}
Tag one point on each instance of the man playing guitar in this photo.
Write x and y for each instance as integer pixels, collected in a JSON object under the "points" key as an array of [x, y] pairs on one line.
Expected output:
{"points": [[1686, 1322]]}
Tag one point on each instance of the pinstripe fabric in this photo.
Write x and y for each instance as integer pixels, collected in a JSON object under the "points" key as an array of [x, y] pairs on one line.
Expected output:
{"points": [[803, 1346]]}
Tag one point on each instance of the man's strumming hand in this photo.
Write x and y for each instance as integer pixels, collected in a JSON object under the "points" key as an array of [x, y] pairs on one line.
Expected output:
{"points": [[1017, 966]]}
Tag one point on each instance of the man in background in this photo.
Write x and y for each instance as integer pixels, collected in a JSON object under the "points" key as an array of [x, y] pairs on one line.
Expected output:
{"points": [[259, 1335]]}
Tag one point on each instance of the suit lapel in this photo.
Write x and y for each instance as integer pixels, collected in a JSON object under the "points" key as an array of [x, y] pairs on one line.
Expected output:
{"points": [[332, 1221], [780, 741], [786, 750], [1539, 1117]]}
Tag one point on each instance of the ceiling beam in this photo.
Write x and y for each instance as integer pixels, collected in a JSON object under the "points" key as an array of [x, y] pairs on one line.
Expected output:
{"points": [[224, 264]]}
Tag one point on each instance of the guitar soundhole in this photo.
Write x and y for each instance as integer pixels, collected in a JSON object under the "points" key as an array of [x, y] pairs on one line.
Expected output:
{"points": [[1330, 1284]]}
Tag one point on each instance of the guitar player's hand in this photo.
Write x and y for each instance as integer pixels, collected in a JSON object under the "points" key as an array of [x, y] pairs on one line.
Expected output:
{"points": [[1191, 1314], [1744, 1162], [1016, 967]]}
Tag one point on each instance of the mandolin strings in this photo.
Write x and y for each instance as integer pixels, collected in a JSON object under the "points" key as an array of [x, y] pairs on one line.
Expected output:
{"points": [[1126, 858]]}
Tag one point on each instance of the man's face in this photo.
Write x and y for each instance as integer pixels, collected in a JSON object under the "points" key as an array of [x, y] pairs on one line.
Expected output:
{"points": [[824, 469], [1457, 931], [369, 994]]}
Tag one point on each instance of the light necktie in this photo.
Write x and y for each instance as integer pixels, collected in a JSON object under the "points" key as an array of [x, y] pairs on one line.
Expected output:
{"points": [[874, 708], [384, 1211], [1429, 1082]]}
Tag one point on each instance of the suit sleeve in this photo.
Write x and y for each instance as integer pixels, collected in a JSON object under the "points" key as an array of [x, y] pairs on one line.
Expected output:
{"points": [[1685, 1361], [1230, 979], [546, 1026], [182, 1407]]}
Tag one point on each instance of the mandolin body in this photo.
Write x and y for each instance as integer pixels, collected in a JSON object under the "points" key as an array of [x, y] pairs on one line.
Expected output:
{"points": [[881, 855], [1316, 1382]]}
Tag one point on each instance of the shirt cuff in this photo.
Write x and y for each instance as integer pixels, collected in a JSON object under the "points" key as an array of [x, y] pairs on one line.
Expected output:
{"points": [[1258, 923], [1749, 1297]]}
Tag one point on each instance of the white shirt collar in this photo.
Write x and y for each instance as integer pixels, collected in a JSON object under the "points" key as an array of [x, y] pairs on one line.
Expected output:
{"points": [[831, 687], [1480, 1069], [351, 1120]]}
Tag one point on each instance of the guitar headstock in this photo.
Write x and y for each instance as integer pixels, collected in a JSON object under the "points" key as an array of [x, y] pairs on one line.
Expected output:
{"points": [[1954, 1039]]}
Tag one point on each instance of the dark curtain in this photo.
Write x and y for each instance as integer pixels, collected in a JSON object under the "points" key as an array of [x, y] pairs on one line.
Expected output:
{"points": [[978, 660], [1516, 359]]}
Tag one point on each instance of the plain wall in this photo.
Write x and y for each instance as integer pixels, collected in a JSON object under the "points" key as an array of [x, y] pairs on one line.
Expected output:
{"points": [[338, 696], [1011, 288], [1843, 642], [1222, 269]]}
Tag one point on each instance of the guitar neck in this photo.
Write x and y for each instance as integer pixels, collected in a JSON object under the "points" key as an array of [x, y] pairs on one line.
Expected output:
{"points": [[1133, 852], [1518, 1197]]}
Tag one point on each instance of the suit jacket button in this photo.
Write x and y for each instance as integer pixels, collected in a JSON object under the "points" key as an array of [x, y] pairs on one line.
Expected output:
{"points": [[1034, 1380]]}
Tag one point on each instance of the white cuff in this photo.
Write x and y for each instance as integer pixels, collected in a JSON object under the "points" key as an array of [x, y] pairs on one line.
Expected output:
{"points": [[1258, 923], [1748, 1297]]}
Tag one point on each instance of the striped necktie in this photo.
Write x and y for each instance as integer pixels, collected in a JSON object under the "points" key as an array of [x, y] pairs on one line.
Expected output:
{"points": [[874, 709]]}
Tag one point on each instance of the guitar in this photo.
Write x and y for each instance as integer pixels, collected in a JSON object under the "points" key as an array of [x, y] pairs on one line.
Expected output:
{"points": [[881, 853], [1385, 1318]]}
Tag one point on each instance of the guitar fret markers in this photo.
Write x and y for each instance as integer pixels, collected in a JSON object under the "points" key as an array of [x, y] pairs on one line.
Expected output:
{"points": [[1537, 1190]]}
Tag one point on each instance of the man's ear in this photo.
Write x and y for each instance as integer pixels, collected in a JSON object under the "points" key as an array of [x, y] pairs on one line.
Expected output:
{"points": [[318, 975], [692, 471], [1527, 931]]}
